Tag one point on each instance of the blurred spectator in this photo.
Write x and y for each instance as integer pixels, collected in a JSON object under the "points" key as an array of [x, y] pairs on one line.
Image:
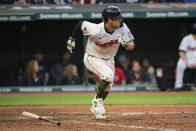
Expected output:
{"points": [[70, 76], [20, 2], [62, 1], [150, 1], [31, 76], [137, 76], [111, 1], [85, 1], [43, 67], [124, 64], [189, 1], [37, 1], [173, 1], [148, 68], [42, 1], [187, 53], [133, 1], [119, 77], [57, 70]]}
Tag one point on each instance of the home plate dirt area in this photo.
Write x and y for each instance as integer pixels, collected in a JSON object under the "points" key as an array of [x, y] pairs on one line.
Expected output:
{"points": [[119, 117]]}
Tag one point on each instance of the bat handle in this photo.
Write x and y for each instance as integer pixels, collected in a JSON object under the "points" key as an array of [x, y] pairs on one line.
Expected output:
{"points": [[55, 122]]}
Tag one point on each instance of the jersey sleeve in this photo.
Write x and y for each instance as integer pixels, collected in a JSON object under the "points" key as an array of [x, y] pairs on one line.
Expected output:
{"points": [[183, 45], [127, 33], [89, 28]]}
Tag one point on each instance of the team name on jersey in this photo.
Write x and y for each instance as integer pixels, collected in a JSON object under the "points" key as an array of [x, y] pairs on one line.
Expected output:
{"points": [[191, 48], [107, 44]]}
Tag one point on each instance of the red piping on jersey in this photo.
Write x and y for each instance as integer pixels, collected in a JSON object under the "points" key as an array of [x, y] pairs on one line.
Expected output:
{"points": [[107, 44]]}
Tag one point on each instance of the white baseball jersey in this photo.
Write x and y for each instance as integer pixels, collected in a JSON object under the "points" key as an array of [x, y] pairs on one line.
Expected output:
{"points": [[188, 45], [102, 44]]}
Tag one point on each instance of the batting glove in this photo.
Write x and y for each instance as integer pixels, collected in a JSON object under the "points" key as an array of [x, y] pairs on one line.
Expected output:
{"points": [[70, 44], [122, 40]]}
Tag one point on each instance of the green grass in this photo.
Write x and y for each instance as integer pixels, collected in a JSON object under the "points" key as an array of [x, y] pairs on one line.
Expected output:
{"points": [[157, 99]]}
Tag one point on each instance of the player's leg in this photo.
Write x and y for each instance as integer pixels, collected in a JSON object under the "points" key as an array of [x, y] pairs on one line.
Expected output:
{"points": [[102, 69], [181, 66], [110, 63]]}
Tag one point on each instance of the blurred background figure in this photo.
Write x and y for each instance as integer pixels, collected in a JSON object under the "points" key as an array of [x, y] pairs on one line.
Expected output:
{"points": [[189, 1], [148, 68], [150, 1], [36, 1], [61, 2], [57, 70], [31, 76], [32, 73], [43, 67], [119, 77], [124, 64], [112, 1], [70, 76], [187, 53], [85, 1], [20, 2], [136, 75]]}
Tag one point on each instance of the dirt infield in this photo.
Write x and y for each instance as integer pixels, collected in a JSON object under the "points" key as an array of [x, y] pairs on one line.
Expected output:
{"points": [[119, 117]]}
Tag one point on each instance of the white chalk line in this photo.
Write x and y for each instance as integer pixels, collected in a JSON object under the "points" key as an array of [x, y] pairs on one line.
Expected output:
{"points": [[118, 125], [154, 113], [132, 113]]}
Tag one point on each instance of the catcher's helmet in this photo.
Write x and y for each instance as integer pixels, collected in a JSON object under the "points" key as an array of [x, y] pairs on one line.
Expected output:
{"points": [[193, 28], [112, 12]]}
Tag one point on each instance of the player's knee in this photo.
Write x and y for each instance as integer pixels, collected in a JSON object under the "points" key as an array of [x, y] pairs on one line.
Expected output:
{"points": [[109, 76], [104, 84]]}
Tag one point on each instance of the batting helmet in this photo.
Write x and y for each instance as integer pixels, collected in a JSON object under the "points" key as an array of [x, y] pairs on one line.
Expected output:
{"points": [[112, 12], [193, 28]]}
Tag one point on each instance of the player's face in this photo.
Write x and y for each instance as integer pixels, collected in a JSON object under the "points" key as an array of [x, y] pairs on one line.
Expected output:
{"points": [[116, 23]]}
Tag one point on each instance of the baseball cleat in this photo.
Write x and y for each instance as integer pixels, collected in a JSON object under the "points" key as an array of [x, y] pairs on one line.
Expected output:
{"points": [[97, 108]]}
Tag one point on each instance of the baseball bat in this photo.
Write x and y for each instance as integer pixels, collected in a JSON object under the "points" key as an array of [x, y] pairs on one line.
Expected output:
{"points": [[34, 116]]}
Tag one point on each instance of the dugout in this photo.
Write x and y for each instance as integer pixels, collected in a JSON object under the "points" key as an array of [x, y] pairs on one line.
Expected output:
{"points": [[158, 30]]}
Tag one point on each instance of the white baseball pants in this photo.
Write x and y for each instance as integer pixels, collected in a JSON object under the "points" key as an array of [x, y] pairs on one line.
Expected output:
{"points": [[105, 69], [181, 66]]}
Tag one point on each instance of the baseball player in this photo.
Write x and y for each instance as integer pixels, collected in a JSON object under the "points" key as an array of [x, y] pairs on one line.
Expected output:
{"points": [[187, 53], [103, 42]]}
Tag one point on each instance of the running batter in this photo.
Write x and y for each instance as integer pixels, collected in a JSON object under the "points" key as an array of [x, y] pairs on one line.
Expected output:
{"points": [[103, 43], [187, 53]]}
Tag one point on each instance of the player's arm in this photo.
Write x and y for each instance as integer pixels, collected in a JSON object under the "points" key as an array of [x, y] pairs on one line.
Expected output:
{"points": [[82, 27], [130, 46], [182, 51], [75, 33], [126, 38]]}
